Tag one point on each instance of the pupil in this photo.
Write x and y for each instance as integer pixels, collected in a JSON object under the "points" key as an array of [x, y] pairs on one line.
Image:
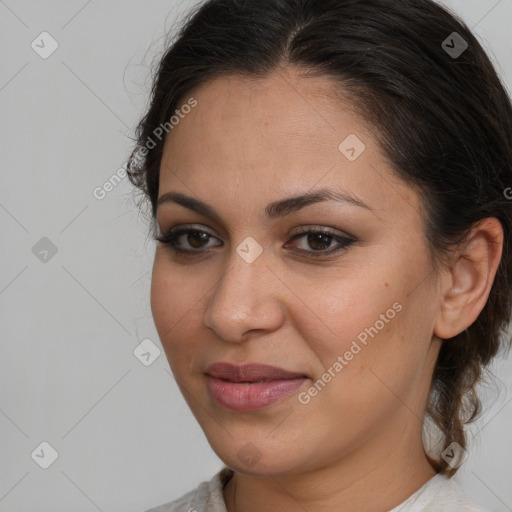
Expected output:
{"points": [[195, 238], [323, 239]]}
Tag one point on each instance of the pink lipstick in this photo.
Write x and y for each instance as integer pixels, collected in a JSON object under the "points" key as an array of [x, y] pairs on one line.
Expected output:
{"points": [[251, 386]]}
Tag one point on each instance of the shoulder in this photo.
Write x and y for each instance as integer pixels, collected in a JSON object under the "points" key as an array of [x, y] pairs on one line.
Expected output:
{"points": [[206, 497], [439, 494]]}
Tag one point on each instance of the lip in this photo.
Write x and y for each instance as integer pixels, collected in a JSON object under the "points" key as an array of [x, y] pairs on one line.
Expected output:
{"points": [[251, 372], [250, 386]]}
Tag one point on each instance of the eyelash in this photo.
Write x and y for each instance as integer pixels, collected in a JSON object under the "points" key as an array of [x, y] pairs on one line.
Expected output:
{"points": [[169, 239]]}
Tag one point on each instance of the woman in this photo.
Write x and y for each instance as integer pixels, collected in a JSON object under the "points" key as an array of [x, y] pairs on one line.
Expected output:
{"points": [[327, 183]]}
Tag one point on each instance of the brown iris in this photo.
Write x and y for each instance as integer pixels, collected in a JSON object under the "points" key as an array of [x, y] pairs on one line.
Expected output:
{"points": [[319, 241], [196, 239]]}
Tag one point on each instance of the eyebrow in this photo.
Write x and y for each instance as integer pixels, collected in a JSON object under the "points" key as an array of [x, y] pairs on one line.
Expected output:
{"points": [[273, 210]]}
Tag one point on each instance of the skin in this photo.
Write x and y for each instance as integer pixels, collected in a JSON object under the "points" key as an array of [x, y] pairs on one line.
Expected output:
{"points": [[249, 143]]}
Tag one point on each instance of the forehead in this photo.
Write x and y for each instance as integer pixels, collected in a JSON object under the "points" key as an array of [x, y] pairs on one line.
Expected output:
{"points": [[276, 136], [285, 104]]}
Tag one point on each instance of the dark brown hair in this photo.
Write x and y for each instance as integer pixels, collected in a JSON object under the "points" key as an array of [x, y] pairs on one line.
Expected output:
{"points": [[444, 122]]}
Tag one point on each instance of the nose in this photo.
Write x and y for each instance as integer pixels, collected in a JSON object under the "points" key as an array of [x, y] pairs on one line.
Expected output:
{"points": [[245, 298]]}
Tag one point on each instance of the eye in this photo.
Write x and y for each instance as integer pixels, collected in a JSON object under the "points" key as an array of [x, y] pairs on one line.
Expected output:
{"points": [[321, 242], [316, 243], [187, 240]]}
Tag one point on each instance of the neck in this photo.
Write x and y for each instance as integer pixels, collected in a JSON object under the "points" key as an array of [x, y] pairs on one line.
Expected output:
{"points": [[351, 485]]}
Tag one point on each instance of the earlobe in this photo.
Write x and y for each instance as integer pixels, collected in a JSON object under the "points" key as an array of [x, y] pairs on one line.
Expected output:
{"points": [[471, 279]]}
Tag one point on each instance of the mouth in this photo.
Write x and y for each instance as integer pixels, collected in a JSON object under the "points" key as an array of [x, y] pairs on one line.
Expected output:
{"points": [[250, 372], [251, 386]]}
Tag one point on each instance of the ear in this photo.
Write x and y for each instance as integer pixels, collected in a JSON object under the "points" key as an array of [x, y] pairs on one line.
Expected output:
{"points": [[470, 278]]}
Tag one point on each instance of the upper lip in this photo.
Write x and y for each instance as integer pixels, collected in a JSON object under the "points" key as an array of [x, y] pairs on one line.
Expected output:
{"points": [[249, 372]]}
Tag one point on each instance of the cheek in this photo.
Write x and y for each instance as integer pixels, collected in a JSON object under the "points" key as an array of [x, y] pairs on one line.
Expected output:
{"points": [[173, 292], [348, 310], [370, 321], [378, 357], [175, 306], [163, 298]]}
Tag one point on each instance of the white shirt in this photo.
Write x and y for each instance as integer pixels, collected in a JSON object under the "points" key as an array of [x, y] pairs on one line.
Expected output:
{"points": [[439, 494]]}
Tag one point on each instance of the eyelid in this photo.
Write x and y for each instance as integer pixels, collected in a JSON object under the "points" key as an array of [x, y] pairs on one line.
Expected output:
{"points": [[170, 236], [344, 241], [329, 230], [301, 230], [188, 227]]}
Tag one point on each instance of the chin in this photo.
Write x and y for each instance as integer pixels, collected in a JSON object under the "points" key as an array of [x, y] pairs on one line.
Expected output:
{"points": [[247, 458]]}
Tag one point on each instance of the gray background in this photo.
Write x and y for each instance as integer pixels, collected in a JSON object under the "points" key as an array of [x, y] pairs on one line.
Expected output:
{"points": [[69, 325]]}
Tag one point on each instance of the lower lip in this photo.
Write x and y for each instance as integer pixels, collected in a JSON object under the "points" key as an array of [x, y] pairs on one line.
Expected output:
{"points": [[251, 396]]}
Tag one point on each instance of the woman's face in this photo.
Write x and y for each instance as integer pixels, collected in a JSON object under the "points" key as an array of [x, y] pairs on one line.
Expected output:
{"points": [[352, 310]]}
